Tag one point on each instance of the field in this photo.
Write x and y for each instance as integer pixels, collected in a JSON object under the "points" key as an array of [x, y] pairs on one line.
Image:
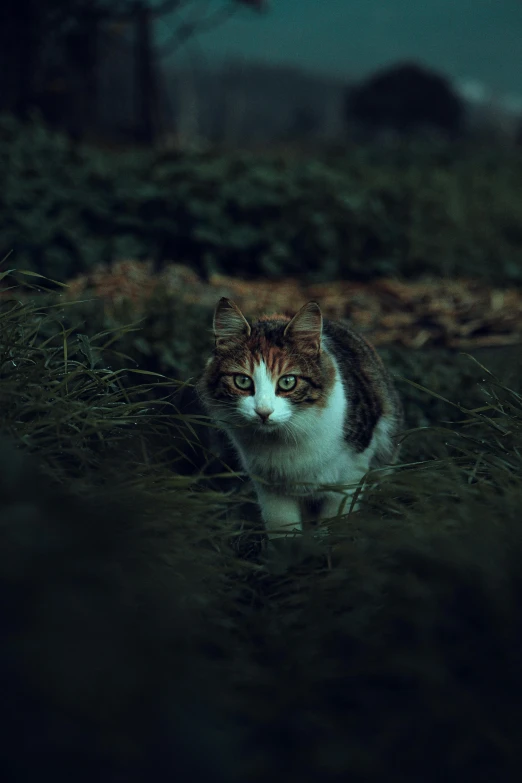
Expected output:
{"points": [[144, 631]]}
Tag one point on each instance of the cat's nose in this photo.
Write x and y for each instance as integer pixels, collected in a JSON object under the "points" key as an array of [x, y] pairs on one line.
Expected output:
{"points": [[264, 413]]}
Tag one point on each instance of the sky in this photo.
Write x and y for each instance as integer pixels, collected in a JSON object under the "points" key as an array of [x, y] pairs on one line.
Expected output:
{"points": [[466, 39]]}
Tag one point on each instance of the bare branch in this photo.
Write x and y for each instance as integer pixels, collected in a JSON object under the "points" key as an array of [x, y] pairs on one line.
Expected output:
{"points": [[166, 7], [186, 30]]}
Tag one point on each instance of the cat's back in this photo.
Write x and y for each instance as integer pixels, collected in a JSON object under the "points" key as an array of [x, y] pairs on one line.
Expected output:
{"points": [[374, 406]]}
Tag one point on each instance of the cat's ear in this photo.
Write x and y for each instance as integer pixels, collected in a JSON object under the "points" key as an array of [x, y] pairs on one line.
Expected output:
{"points": [[229, 323], [306, 327]]}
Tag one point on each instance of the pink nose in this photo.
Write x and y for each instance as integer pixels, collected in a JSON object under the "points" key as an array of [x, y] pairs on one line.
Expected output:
{"points": [[263, 413]]}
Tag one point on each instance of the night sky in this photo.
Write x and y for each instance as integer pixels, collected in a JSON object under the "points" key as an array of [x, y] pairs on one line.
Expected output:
{"points": [[467, 39]]}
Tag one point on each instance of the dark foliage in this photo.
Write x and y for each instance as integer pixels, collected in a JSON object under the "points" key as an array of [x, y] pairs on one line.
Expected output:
{"points": [[412, 209], [406, 98], [143, 635]]}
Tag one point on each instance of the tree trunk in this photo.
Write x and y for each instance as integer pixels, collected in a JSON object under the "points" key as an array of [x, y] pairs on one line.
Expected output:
{"points": [[20, 37], [145, 78]]}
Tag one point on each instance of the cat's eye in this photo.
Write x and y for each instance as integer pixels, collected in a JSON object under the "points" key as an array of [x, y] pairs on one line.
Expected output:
{"points": [[287, 382], [243, 382]]}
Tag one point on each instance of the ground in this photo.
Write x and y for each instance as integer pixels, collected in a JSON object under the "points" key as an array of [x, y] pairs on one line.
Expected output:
{"points": [[453, 313]]}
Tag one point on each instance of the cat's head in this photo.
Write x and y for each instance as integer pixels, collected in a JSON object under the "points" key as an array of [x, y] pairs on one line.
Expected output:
{"points": [[268, 376]]}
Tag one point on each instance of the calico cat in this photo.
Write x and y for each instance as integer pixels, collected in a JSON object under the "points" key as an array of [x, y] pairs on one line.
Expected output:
{"points": [[306, 402]]}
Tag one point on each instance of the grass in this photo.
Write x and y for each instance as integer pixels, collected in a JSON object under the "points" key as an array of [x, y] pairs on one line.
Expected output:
{"points": [[144, 633]]}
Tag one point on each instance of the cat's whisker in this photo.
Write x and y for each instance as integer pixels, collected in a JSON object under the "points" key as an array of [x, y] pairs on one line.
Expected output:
{"points": [[289, 433]]}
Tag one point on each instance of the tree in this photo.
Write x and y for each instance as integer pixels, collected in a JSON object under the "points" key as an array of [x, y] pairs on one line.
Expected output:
{"points": [[43, 37], [405, 98]]}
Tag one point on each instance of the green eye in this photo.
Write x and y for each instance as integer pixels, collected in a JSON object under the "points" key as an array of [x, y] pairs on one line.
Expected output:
{"points": [[243, 382], [287, 382]]}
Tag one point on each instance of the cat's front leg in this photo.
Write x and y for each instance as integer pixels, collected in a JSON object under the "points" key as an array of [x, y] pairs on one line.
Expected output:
{"points": [[343, 502], [281, 513], [336, 503]]}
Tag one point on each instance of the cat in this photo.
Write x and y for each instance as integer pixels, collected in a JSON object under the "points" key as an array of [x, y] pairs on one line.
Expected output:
{"points": [[306, 402]]}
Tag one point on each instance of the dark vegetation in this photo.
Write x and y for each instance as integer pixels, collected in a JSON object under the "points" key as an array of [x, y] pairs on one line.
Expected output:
{"points": [[145, 634], [406, 98], [410, 208], [144, 631]]}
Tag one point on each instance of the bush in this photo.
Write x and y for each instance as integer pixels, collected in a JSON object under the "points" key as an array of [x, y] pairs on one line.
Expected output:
{"points": [[359, 212], [406, 98], [65, 208]]}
